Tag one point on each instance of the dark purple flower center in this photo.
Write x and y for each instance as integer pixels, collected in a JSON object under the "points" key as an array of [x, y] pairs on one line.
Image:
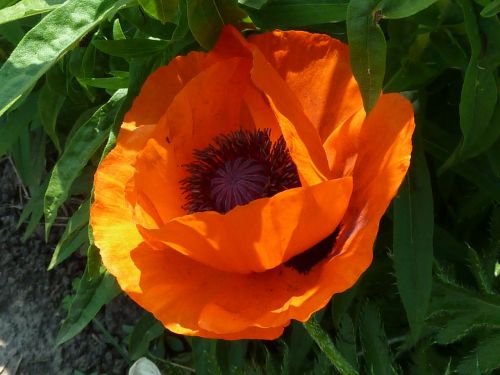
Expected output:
{"points": [[236, 183], [236, 169]]}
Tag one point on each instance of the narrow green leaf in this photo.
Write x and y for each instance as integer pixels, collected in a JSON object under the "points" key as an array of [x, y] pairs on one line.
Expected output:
{"points": [[163, 10], [299, 347], [205, 21], [16, 122], [374, 342], [287, 16], [129, 48], [78, 151], [75, 235], [111, 83], [346, 341], [49, 106], [491, 9], [326, 345], [96, 289], [27, 8], [205, 356], [394, 9], [146, 330], [47, 41], [367, 48], [479, 93], [256, 4], [413, 240]]}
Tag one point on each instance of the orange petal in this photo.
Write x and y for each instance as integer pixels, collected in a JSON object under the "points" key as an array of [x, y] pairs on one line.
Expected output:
{"points": [[301, 136], [316, 68], [209, 105], [161, 87], [262, 234], [156, 186]]}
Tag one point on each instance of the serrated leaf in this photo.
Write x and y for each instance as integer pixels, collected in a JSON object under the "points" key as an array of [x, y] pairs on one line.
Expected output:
{"points": [[477, 268], [27, 8], [162, 10], [367, 48], [328, 348], [75, 235], [146, 330], [462, 311], [485, 356], [346, 341], [78, 151], [95, 289], [47, 41], [413, 240], [374, 342]]}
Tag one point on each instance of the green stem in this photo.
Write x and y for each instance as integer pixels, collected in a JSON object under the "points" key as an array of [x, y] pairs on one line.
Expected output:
{"points": [[326, 345]]}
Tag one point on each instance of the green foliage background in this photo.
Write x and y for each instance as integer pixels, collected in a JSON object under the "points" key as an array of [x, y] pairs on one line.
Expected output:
{"points": [[430, 302]]}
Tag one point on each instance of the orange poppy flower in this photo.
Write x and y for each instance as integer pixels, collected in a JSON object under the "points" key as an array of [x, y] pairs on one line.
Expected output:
{"points": [[247, 184]]}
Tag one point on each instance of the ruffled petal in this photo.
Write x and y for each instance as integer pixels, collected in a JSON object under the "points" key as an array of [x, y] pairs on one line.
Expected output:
{"points": [[317, 70], [262, 234]]}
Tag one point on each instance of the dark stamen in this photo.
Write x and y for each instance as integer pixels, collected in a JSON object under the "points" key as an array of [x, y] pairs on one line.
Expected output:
{"points": [[236, 169], [305, 261]]}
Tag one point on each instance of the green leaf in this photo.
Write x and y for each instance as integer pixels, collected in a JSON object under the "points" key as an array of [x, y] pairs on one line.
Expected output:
{"points": [[78, 151], [96, 289], [326, 345], [129, 48], [27, 8], [256, 4], [47, 42], [477, 268], [485, 356], [413, 240], [146, 330], [479, 93], [111, 83], [346, 340], [16, 122], [205, 356], [374, 342], [289, 15], [491, 9], [49, 106], [74, 237], [458, 311], [367, 48], [394, 9], [205, 21], [163, 10]]}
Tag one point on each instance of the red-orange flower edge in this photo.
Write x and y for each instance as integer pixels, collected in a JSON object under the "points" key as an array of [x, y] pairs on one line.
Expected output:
{"points": [[245, 266]]}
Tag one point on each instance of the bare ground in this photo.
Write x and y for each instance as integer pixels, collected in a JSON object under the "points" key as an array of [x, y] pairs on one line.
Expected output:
{"points": [[31, 303]]}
